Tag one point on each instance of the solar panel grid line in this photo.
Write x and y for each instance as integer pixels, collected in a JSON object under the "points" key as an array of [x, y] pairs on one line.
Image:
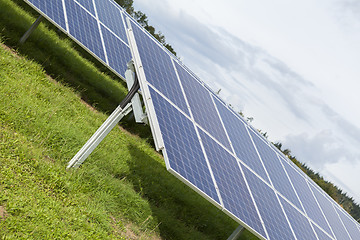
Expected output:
{"points": [[68, 33], [320, 233], [311, 207], [103, 24], [309, 232], [269, 176], [42, 13], [253, 199], [258, 154], [329, 214], [321, 210], [198, 135], [296, 193], [241, 141], [273, 187], [202, 105], [239, 166], [222, 123], [150, 110], [191, 185], [337, 208], [313, 184], [347, 215], [227, 210], [275, 219], [83, 27], [65, 16], [101, 34], [282, 207], [341, 220]]}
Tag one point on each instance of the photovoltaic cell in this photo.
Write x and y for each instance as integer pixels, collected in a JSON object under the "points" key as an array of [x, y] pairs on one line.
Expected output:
{"points": [[321, 235], [159, 69], [269, 208], [184, 151], [88, 4], [331, 215], [299, 222], [114, 49], [232, 187], [110, 15], [241, 141], [306, 197], [275, 170], [53, 9], [202, 106], [84, 28], [349, 224]]}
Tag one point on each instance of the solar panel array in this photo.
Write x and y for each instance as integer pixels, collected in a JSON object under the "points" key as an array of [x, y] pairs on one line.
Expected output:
{"points": [[205, 143], [97, 25]]}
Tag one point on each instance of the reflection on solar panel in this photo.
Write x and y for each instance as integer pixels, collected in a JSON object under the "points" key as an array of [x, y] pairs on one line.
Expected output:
{"points": [[205, 143]]}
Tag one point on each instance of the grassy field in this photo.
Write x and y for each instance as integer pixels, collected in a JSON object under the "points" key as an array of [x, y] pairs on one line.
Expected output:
{"points": [[53, 97]]}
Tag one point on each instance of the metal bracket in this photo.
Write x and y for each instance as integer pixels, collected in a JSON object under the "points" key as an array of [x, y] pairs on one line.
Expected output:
{"points": [[122, 110], [237, 233], [31, 29], [99, 135], [140, 116]]}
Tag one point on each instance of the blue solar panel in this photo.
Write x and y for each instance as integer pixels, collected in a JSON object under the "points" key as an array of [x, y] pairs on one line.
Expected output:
{"points": [[202, 106], [269, 208], [321, 234], [350, 225], [299, 222], [53, 9], [331, 215], [159, 69], [306, 197], [241, 141], [275, 170], [88, 4], [184, 152], [84, 28], [114, 49], [111, 16], [233, 190]]}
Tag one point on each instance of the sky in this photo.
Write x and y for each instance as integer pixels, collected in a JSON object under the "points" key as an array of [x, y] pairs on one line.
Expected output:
{"points": [[291, 65]]}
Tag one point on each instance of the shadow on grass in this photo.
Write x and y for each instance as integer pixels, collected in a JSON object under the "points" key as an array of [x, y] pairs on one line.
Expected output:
{"points": [[176, 207]]}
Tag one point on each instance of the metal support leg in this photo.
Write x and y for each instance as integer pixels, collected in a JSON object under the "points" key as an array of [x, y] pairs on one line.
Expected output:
{"points": [[236, 234], [99, 135], [31, 29]]}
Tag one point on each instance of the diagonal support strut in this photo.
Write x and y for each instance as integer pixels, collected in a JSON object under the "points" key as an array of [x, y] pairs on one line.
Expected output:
{"points": [[236, 234], [122, 110], [31, 29]]}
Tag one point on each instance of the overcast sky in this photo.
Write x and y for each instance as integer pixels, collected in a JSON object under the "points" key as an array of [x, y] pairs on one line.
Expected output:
{"points": [[292, 65]]}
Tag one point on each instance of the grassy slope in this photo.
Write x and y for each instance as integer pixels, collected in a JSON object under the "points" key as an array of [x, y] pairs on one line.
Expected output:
{"points": [[122, 191]]}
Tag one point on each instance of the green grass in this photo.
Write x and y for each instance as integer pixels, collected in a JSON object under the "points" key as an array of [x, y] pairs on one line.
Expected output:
{"points": [[122, 191]]}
